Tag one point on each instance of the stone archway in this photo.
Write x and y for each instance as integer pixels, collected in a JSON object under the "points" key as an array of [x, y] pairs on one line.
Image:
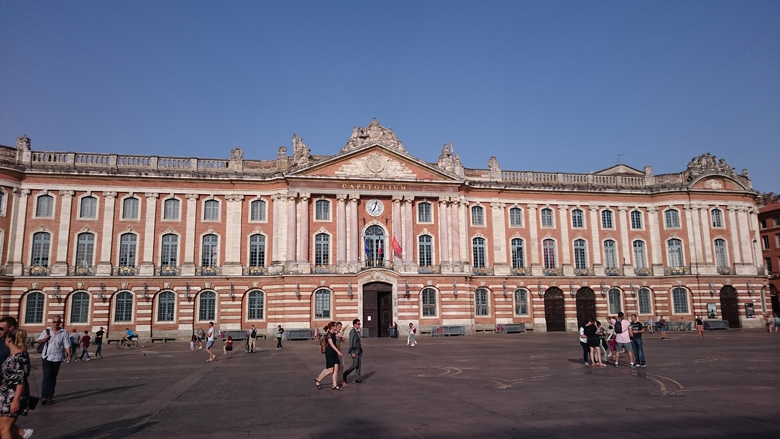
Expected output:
{"points": [[729, 308], [554, 313], [377, 308], [586, 305]]}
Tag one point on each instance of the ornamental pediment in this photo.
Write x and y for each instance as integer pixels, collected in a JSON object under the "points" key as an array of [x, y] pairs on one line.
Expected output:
{"points": [[375, 165]]}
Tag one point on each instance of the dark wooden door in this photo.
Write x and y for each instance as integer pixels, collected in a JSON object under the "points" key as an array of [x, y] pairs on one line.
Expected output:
{"points": [[370, 313], [729, 307], [553, 310], [385, 314], [377, 308], [586, 305]]}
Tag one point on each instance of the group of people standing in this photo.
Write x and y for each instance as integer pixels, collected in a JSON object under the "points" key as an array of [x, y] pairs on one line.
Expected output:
{"points": [[331, 340], [600, 344]]}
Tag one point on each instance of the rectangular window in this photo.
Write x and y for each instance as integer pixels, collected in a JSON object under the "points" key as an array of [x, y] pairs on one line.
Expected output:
{"points": [[89, 207], [577, 219], [322, 304], [515, 217], [521, 302], [547, 218], [130, 208], [717, 218], [777, 241], [211, 210], [763, 223], [171, 209], [644, 301], [424, 213], [672, 218], [257, 210], [680, 300], [777, 221], [45, 206], [636, 220], [640, 260], [478, 248], [426, 251], [322, 210], [768, 266], [477, 216], [518, 261], [765, 242], [606, 219], [548, 247]]}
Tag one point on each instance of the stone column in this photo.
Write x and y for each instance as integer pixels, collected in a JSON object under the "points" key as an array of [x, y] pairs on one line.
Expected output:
{"points": [[598, 269], [60, 267], [341, 232], [104, 266], [408, 233], [694, 237], [745, 236], [500, 266], [303, 227], [16, 236], [292, 232], [279, 231], [444, 240], [147, 267], [625, 245], [705, 229], [463, 226], [563, 223], [455, 233], [533, 229], [734, 229], [397, 230], [232, 265], [354, 233], [655, 241], [188, 265]]}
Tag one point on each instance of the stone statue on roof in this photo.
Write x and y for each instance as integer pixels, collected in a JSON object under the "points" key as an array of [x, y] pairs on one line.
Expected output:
{"points": [[373, 134], [23, 143]]}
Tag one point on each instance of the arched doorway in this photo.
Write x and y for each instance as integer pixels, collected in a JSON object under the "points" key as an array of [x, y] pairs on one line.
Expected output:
{"points": [[377, 308], [775, 301], [586, 305], [729, 308], [554, 314], [375, 246]]}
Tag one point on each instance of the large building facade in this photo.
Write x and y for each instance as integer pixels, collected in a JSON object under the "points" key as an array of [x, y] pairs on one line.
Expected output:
{"points": [[769, 225], [163, 245]]}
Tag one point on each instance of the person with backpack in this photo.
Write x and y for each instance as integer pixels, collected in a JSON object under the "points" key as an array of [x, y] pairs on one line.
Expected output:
{"points": [[252, 339], [623, 337]]}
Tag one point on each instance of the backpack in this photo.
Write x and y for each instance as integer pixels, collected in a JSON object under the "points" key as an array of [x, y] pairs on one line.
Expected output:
{"points": [[253, 334], [619, 327]]}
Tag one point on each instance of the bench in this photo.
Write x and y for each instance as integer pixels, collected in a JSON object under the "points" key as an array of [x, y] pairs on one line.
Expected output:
{"points": [[678, 326], [514, 328], [300, 334], [716, 324], [484, 329], [448, 331], [163, 339]]}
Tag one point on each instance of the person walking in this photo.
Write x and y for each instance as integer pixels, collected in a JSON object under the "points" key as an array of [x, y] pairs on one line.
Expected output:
{"points": [[56, 350], [777, 323], [412, 331], [252, 338], [75, 341], [700, 326], [211, 337], [662, 327], [356, 351], [15, 390], [332, 357], [193, 340], [637, 329], [99, 343], [85, 339], [279, 333]]}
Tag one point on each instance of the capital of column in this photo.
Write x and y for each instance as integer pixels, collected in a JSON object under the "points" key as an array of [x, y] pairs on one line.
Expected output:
{"points": [[22, 192], [408, 198], [563, 208], [593, 208], [341, 197], [191, 197], [496, 206], [622, 208], [66, 193], [234, 198], [292, 196], [154, 195], [396, 198], [532, 206], [304, 197], [109, 195], [354, 199], [652, 209]]}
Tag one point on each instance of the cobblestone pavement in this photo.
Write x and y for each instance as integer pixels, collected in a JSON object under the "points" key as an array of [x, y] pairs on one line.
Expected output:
{"points": [[483, 386]]}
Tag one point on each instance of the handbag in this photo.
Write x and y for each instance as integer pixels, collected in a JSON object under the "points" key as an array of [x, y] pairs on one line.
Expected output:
{"points": [[323, 344], [42, 346]]}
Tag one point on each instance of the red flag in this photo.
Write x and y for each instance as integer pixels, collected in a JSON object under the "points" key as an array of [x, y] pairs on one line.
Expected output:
{"points": [[396, 248]]}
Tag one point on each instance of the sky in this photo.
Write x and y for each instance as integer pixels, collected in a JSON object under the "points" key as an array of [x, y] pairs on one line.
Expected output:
{"points": [[554, 86]]}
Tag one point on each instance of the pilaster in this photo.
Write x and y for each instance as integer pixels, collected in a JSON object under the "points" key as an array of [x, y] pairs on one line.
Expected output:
{"points": [[104, 266], [303, 228], [232, 265], [60, 267], [533, 229], [500, 266], [16, 237], [188, 266]]}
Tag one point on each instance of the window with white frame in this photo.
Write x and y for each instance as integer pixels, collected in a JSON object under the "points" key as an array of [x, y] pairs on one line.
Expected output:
{"points": [[606, 219], [518, 257], [208, 257], [672, 219], [547, 217], [257, 250], [40, 249], [322, 304], [171, 209], [322, 210], [170, 250], [166, 306], [424, 213], [674, 248], [577, 219], [640, 257], [257, 210], [33, 308], [79, 308], [207, 306], [614, 301], [721, 260], [645, 305], [429, 302], [548, 253], [521, 302], [768, 265], [717, 218], [636, 220], [425, 243], [580, 254], [680, 300], [130, 208], [477, 216], [2, 202], [123, 307], [256, 305], [481, 297], [85, 249], [44, 206], [88, 208], [478, 250], [515, 217], [127, 249], [211, 210], [610, 254], [322, 249], [765, 242]]}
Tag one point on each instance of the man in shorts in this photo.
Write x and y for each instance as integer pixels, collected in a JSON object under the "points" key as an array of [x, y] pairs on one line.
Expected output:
{"points": [[210, 338], [623, 338]]}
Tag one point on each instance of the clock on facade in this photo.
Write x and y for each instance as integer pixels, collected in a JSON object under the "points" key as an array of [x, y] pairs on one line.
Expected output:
{"points": [[375, 207]]}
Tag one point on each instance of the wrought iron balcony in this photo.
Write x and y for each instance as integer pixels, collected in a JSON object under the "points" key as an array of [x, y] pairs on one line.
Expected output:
{"points": [[552, 271], [124, 270], [168, 270], [367, 265], [520, 271], [208, 271], [255, 271], [613, 271], [580, 272], [324, 269], [676, 271], [482, 271], [81, 270], [36, 270], [643, 271], [429, 269], [727, 271]]}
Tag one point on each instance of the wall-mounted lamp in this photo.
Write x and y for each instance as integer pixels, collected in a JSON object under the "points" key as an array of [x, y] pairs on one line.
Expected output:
{"points": [[187, 290], [101, 290], [349, 289], [297, 289], [571, 290], [603, 289], [633, 289], [541, 291], [407, 293], [455, 288], [146, 291], [750, 290], [505, 290], [55, 293], [230, 291], [712, 289]]}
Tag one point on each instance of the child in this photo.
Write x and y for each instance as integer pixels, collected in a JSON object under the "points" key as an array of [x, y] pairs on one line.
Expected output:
{"points": [[411, 341], [193, 340], [228, 345]]}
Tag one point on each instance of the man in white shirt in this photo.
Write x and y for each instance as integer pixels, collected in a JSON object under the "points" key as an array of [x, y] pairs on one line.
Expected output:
{"points": [[210, 338], [56, 350], [623, 336]]}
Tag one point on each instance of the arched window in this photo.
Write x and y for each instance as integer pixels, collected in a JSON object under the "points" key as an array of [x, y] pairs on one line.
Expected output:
{"points": [[548, 251], [207, 306], [123, 307], [636, 220], [322, 210], [717, 218], [171, 209], [577, 221], [478, 250], [674, 247], [481, 297], [127, 249], [256, 304], [257, 250], [322, 304], [614, 301], [643, 297], [720, 253], [211, 210], [375, 246], [610, 254], [477, 216], [170, 250], [322, 249], [680, 300], [547, 217], [130, 208], [33, 308], [257, 210], [425, 243], [79, 308], [518, 259], [521, 302], [640, 258], [208, 257], [40, 249], [44, 206], [429, 302], [606, 219], [515, 217], [88, 208], [672, 218], [424, 213], [166, 306], [580, 254], [85, 249]]}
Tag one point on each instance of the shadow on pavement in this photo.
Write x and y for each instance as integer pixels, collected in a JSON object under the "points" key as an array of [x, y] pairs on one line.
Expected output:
{"points": [[114, 429], [92, 392]]}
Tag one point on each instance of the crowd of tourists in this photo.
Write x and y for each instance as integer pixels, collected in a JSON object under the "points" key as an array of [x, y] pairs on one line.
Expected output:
{"points": [[600, 344]]}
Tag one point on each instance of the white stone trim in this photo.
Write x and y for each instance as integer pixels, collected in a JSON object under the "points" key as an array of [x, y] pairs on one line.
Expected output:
{"points": [[162, 209]]}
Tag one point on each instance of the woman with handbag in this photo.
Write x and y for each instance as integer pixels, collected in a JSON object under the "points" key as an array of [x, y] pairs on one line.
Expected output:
{"points": [[14, 390], [332, 356]]}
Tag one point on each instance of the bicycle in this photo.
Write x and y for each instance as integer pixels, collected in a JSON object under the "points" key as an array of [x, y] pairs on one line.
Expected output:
{"points": [[121, 344]]}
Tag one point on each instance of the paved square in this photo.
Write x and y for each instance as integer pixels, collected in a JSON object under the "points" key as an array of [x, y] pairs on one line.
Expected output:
{"points": [[483, 386]]}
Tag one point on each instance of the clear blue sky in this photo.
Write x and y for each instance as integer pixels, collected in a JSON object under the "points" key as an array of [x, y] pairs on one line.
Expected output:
{"points": [[542, 85]]}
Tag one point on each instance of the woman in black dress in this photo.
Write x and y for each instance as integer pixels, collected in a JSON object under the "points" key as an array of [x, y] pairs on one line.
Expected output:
{"points": [[332, 355], [591, 332]]}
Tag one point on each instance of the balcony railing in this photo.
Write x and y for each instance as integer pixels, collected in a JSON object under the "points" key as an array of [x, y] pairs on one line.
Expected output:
{"points": [[367, 265], [552, 271], [676, 271], [36, 270], [324, 269], [81, 270], [613, 271], [124, 270], [255, 271], [520, 271], [482, 271], [727, 271], [580, 272], [168, 270], [208, 271], [429, 269], [643, 271]]}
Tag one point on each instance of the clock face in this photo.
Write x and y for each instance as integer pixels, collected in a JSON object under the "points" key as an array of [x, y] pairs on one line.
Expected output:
{"points": [[375, 207]]}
